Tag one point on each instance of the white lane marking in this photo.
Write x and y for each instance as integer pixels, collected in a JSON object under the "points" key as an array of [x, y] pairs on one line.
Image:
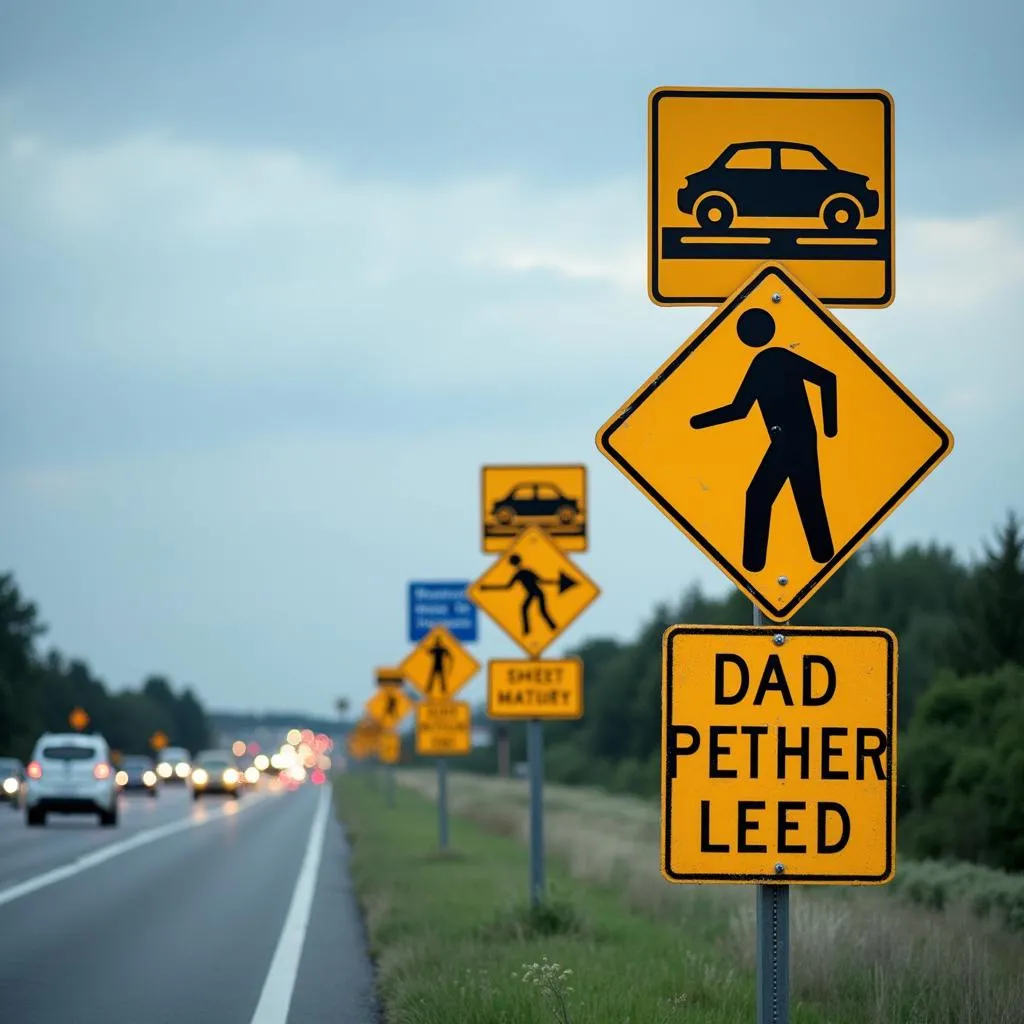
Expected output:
{"points": [[105, 853], [276, 996]]}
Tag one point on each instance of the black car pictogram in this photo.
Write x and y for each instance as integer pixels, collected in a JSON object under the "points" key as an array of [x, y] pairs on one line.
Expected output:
{"points": [[535, 500], [776, 179]]}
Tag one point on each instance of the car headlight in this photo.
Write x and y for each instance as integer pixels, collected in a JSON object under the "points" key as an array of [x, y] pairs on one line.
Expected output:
{"points": [[148, 778], [181, 770], [199, 777], [11, 786], [230, 776], [121, 778], [252, 775], [164, 770]]}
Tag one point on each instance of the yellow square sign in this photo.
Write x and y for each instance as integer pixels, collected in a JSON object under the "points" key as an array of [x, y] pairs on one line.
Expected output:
{"points": [[533, 591], [388, 706], [443, 728], [389, 677], [737, 177], [439, 666], [781, 495], [535, 689], [553, 498], [778, 755], [389, 748], [362, 740]]}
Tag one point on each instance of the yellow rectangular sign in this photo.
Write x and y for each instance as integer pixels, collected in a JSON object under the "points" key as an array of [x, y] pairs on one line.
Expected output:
{"points": [[389, 748], [553, 498], [443, 728], [389, 677], [778, 755], [535, 689], [737, 177]]}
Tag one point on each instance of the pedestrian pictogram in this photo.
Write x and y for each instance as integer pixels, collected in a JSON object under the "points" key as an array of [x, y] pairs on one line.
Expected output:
{"points": [[389, 748], [779, 756], [780, 495], [388, 706], [389, 677], [443, 728], [440, 666], [535, 689], [553, 498], [738, 177], [78, 719], [533, 591], [158, 740]]}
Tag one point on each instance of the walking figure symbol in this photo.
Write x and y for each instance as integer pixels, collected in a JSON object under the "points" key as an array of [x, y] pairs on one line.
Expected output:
{"points": [[441, 661], [533, 593], [776, 382]]}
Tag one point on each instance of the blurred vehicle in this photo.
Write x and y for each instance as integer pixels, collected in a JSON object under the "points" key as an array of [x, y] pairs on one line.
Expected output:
{"points": [[174, 764], [12, 782], [70, 773], [136, 771], [215, 771]]}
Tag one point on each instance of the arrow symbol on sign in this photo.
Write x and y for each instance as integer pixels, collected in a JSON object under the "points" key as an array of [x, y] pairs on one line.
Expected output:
{"points": [[564, 583]]}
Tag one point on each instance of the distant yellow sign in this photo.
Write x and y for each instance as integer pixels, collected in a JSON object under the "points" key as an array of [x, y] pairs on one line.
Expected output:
{"points": [[553, 498], [779, 497], [737, 177], [388, 706], [389, 677], [78, 719], [535, 689], [533, 591], [158, 740], [779, 755], [362, 740], [389, 748], [443, 728], [439, 666]]}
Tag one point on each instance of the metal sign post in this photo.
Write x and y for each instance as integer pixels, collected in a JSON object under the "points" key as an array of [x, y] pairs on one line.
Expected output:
{"points": [[772, 941], [442, 803], [391, 785], [535, 757]]}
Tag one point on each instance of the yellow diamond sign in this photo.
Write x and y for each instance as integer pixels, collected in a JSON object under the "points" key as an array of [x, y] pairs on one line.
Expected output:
{"points": [[439, 666], [388, 706], [533, 591], [775, 440]]}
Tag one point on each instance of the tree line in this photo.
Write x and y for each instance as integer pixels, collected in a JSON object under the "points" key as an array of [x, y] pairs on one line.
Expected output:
{"points": [[39, 690], [960, 628]]}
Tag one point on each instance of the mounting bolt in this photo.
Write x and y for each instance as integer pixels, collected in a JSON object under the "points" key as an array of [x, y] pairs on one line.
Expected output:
{"points": [[778, 639], [779, 868], [776, 297], [783, 580]]}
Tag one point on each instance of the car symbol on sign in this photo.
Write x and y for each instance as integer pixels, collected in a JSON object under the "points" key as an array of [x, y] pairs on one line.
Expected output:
{"points": [[776, 179], [535, 501]]}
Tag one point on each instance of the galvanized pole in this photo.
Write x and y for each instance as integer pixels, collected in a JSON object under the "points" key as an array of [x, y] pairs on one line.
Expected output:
{"points": [[442, 803], [772, 942], [535, 756]]}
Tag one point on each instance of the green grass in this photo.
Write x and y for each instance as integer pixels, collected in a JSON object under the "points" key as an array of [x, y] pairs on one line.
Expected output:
{"points": [[454, 938]]}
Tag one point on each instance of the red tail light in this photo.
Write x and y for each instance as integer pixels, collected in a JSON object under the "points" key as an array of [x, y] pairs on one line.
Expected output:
{"points": [[102, 771], [34, 770]]}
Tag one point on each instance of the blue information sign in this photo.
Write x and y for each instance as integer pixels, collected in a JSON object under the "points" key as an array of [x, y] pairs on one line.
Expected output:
{"points": [[441, 603]]}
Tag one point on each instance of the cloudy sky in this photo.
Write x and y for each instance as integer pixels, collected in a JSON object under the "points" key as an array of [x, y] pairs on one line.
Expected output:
{"points": [[278, 278]]}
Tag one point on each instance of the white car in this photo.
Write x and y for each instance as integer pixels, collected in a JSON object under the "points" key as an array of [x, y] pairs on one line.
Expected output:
{"points": [[70, 773]]}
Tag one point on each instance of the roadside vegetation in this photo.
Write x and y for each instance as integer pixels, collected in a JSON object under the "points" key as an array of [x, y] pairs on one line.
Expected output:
{"points": [[454, 939], [38, 690]]}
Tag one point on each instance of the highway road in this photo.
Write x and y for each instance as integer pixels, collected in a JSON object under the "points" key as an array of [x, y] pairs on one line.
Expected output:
{"points": [[234, 912]]}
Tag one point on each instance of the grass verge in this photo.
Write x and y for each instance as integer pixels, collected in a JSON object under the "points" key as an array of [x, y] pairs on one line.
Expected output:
{"points": [[641, 950]]}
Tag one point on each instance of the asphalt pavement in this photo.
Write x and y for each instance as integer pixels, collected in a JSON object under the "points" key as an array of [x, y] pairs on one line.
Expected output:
{"points": [[233, 912]]}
